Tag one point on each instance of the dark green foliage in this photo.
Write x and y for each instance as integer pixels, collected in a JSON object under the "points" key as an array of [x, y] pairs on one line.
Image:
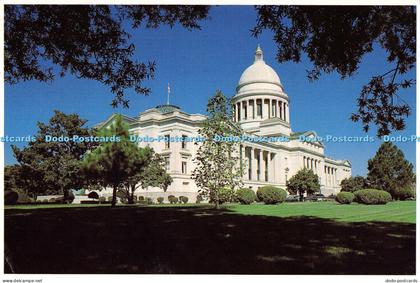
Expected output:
{"points": [[110, 198], [345, 197], [160, 200], [245, 195], [336, 38], [10, 197], [271, 195], [172, 199], [353, 184], [45, 201], [96, 44], [305, 180], [225, 195], [93, 195], [388, 170], [183, 199], [403, 193], [53, 166], [149, 200], [372, 196], [199, 199]]}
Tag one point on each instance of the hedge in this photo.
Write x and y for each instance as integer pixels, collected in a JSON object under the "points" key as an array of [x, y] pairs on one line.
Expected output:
{"points": [[245, 196], [345, 197], [160, 200], [172, 199], [372, 196], [183, 199], [403, 193], [271, 195]]}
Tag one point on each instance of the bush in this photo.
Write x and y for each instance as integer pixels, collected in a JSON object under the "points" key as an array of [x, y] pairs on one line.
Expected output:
{"points": [[45, 201], [24, 198], [225, 195], [110, 199], [172, 199], [93, 195], [183, 199], [141, 198], [10, 197], [271, 195], [160, 200], [149, 201], [245, 196], [70, 197], [345, 197], [403, 193], [52, 200], [372, 196], [88, 202], [199, 199]]}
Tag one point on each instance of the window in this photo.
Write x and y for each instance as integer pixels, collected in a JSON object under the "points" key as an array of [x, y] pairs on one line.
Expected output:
{"points": [[184, 143], [167, 164], [167, 141], [184, 167]]}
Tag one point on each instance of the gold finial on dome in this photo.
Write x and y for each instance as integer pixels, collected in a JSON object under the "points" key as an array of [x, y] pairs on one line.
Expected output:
{"points": [[259, 54]]}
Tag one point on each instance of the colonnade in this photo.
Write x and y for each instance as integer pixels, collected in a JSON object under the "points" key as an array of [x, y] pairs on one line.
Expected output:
{"points": [[258, 164], [330, 173], [260, 108]]}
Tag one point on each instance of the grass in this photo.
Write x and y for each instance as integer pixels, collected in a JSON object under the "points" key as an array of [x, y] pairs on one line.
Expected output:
{"points": [[291, 238], [398, 211]]}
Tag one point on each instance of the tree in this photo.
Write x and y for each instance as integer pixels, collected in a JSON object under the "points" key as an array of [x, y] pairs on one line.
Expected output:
{"points": [[305, 180], [152, 173], [335, 38], [218, 163], [353, 184], [388, 170], [114, 162], [54, 165], [87, 41]]}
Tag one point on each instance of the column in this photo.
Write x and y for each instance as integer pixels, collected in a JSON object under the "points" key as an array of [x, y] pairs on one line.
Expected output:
{"points": [[287, 113], [281, 110], [254, 164], [262, 166], [242, 160], [304, 165], [284, 112]]}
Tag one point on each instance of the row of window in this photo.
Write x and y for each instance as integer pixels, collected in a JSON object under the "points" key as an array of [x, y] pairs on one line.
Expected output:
{"points": [[168, 142]]}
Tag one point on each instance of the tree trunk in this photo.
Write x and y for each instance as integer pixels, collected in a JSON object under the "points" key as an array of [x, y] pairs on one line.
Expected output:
{"points": [[114, 196], [300, 196]]}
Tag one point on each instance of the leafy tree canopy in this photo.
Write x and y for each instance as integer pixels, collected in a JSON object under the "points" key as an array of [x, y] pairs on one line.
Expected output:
{"points": [[388, 170], [353, 184], [305, 180], [335, 38], [53, 165], [87, 41]]}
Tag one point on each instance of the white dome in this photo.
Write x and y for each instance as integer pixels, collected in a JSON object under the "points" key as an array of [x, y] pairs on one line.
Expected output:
{"points": [[259, 76]]}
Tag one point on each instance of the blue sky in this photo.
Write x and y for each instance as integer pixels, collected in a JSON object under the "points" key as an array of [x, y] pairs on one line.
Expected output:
{"points": [[196, 64]]}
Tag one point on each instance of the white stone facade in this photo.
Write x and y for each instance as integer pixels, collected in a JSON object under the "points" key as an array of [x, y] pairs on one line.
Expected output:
{"points": [[261, 107]]}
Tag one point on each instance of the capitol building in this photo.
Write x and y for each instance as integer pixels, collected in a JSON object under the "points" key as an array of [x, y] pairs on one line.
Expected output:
{"points": [[262, 109]]}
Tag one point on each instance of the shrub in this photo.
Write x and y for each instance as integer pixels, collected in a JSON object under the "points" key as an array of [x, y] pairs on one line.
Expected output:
{"points": [[160, 200], [403, 193], [45, 200], [110, 198], [23, 198], [183, 199], [271, 195], [345, 197], [199, 199], [93, 195], [372, 196], [10, 197], [52, 200], [70, 197], [225, 195], [141, 198], [172, 199], [245, 196], [149, 201]]}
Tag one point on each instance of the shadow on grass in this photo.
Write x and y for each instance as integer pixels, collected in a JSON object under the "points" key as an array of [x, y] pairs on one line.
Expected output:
{"points": [[200, 240]]}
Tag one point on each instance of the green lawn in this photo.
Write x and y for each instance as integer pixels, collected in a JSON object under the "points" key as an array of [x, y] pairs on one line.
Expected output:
{"points": [[398, 211], [289, 238]]}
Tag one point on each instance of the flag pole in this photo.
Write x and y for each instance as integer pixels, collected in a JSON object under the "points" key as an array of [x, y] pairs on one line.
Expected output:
{"points": [[169, 91]]}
